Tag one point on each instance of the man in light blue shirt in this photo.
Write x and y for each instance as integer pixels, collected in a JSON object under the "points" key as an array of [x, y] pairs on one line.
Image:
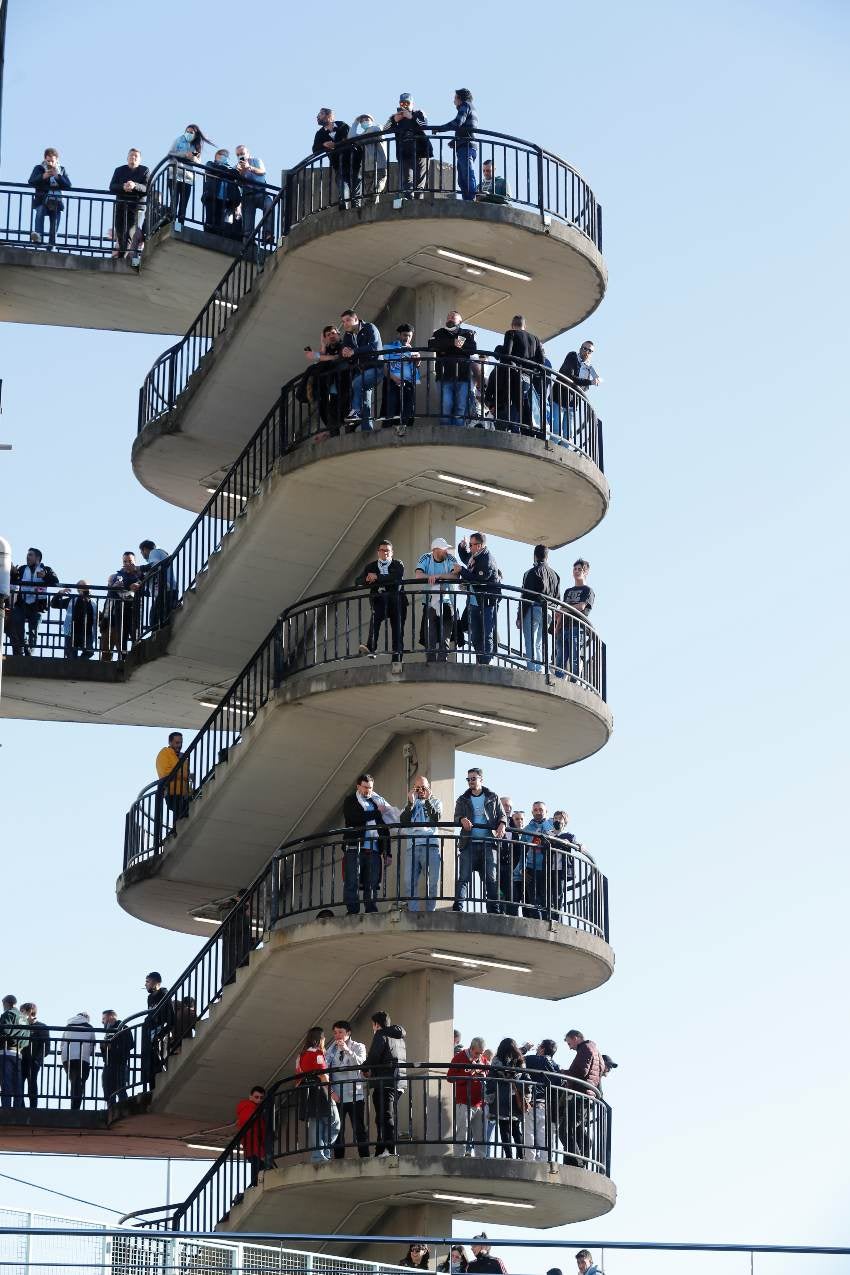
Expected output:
{"points": [[534, 861], [421, 815], [162, 589], [402, 379], [439, 609]]}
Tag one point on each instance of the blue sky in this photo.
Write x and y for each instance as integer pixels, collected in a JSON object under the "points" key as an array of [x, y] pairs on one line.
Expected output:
{"points": [[711, 136]]}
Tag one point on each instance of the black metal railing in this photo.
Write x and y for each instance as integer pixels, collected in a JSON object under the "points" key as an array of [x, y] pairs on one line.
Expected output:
{"points": [[100, 622], [537, 180], [83, 1068], [547, 879], [555, 1121], [86, 225], [433, 623]]}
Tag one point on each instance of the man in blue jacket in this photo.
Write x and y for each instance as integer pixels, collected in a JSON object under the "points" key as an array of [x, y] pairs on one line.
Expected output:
{"points": [[463, 125], [49, 179], [481, 816], [360, 345], [481, 573]]}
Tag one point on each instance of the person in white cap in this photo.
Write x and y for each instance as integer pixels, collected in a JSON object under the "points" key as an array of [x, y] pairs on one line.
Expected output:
{"points": [[438, 614]]}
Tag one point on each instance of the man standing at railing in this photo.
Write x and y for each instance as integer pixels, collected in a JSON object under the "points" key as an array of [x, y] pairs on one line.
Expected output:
{"points": [[479, 813], [13, 1035], [175, 784], [540, 1119], [344, 156], [251, 172], [77, 1051], [384, 578], [360, 345], [34, 1051], [129, 185], [463, 125], [116, 1049], [254, 1138], [163, 587], [384, 1068], [412, 148], [453, 345], [569, 632], [49, 179], [481, 573], [367, 845], [29, 600], [421, 815], [158, 1025], [344, 1057], [573, 1124], [522, 348]]}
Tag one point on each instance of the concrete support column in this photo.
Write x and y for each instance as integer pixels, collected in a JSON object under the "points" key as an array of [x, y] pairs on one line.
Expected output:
{"points": [[433, 302], [415, 1218]]}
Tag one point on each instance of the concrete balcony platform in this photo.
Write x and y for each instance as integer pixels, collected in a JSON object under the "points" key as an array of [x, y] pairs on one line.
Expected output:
{"points": [[64, 289], [319, 970], [131, 1131], [377, 255], [307, 1197], [292, 767]]}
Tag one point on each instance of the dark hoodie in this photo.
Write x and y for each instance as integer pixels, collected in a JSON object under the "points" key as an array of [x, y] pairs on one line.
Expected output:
{"points": [[386, 1052]]}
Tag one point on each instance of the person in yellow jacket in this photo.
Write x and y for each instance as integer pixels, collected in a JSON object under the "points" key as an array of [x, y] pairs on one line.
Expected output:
{"points": [[175, 780]]}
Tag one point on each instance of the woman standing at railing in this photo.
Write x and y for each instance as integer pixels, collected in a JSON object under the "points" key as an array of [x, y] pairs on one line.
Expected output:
{"points": [[507, 1099], [316, 1106], [188, 146]]}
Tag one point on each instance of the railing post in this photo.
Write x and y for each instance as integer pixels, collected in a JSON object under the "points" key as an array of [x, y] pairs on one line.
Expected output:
{"points": [[274, 893], [541, 203], [277, 655], [599, 226], [547, 668], [157, 818]]}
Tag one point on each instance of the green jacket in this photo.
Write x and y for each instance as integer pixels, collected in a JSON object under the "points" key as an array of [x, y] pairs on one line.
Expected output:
{"points": [[14, 1029]]}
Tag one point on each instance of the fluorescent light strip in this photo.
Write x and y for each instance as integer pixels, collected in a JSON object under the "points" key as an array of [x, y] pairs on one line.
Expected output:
{"points": [[474, 961], [474, 1199], [476, 487], [475, 719], [485, 265], [201, 1146]]}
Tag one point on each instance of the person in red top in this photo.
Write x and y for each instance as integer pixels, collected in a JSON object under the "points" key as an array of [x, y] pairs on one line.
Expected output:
{"points": [[254, 1140], [466, 1073], [317, 1106]]}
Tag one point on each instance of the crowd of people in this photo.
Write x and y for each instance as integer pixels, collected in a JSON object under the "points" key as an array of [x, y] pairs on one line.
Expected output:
{"points": [[234, 187], [483, 1261], [509, 391], [116, 618], [116, 1050], [513, 1100]]}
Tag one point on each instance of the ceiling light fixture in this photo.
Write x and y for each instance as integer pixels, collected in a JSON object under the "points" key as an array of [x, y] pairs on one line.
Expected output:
{"points": [[477, 487], [474, 1199], [475, 720], [473, 961], [202, 1146], [485, 265]]}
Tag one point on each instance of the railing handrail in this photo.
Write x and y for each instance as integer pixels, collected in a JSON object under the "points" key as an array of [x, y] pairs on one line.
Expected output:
{"points": [[168, 161]]}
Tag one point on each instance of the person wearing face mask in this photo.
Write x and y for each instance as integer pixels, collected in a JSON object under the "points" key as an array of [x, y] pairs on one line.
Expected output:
{"points": [[251, 172], [186, 148], [79, 623], [221, 196], [49, 179], [373, 165]]}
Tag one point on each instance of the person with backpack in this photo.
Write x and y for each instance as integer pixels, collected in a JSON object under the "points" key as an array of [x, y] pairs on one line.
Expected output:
{"points": [[384, 1068]]}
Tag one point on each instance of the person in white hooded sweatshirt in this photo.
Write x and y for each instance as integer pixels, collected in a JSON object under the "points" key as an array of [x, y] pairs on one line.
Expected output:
{"points": [[77, 1052]]}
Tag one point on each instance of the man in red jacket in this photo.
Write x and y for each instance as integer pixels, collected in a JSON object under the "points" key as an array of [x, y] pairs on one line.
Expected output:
{"points": [[254, 1139], [574, 1123], [466, 1073]]}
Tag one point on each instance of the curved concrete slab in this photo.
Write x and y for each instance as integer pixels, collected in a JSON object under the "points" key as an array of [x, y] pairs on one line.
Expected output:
{"points": [[332, 260], [292, 767], [306, 1197]]}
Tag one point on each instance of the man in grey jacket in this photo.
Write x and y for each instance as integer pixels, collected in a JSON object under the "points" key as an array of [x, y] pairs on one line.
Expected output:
{"points": [[421, 814], [480, 813], [347, 1087]]}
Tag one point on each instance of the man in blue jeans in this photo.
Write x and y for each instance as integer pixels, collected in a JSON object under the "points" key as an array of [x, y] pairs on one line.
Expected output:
{"points": [[569, 634], [481, 573], [421, 815], [481, 816], [360, 345], [453, 346], [463, 125], [539, 582]]}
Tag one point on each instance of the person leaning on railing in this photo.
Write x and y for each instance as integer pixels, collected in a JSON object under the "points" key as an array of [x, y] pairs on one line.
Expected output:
{"points": [[421, 815], [79, 623], [374, 162], [175, 779], [188, 147], [493, 189], [463, 125], [344, 155], [221, 197], [129, 185]]}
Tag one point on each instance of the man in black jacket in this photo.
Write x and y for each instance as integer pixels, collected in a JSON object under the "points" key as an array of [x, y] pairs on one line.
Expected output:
{"points": [[34, 1051], [30, 600], [384, 577], [453, 345], [158, 1025], [413, 149], [366, 845], [129, 185], [345, 158], [116, 1049], [525, 350], [542, 581], [481, 816], [482, 575], [360, 346], [384, 1069], [13, 1036], [50, 181]]}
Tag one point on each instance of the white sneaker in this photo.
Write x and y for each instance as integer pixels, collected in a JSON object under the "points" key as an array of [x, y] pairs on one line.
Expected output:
{"points": [[364, 650], [382, 1155], [35, 237]]}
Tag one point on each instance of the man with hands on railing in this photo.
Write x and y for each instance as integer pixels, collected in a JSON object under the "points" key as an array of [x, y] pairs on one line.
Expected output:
{"points": [[35, 1050], [385, 580], [453, 344], [49, 179], [480, 571], [344, 1057], [251, 173], [366, 845], [399, 399], [531, 871], [522, 347], [482, 817], [422, 813], [254, 1138], [129, 185], [463, 125], [332, 139], [361, 344], [437, 625], [116, 1049]]}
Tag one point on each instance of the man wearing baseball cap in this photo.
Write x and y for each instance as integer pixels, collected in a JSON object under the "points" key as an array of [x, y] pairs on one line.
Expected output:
{"points": [[438, 613], [413, 149]]}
